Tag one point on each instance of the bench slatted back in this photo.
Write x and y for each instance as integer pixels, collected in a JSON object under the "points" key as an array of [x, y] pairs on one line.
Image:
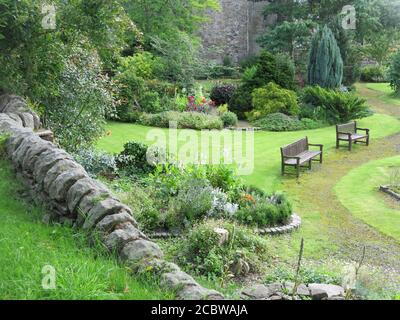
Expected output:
{"points": [[347, 127], [295, 148]]}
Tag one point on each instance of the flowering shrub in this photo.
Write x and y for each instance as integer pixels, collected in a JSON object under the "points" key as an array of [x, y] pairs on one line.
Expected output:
{"points": [[203, 106], [263, 210]]}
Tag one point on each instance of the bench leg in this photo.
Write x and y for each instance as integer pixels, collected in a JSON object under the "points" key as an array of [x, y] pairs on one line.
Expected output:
{"points": [[309, 164], [298, 171], [283, 169], [367, 140], [350, 145], [337, 143]]}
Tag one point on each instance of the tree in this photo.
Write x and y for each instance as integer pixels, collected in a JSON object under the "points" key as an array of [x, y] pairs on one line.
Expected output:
{"points": [[325, 66], [394, 72]]}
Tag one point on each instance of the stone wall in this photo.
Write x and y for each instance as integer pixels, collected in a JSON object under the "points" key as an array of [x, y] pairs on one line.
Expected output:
{"points": [[62, 186], [233, 30]]}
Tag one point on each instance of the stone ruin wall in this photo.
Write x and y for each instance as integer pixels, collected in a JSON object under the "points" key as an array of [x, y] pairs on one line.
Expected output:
{"points": [[60, 185], [233, 31]]}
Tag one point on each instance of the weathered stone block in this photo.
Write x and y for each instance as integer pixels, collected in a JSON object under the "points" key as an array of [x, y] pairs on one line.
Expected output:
{"points": [[198, 293], [176, 280], [102, 208], [60, 186], [116, 240], [108, 223], [59, 168], [47, 161], [135, 251]]}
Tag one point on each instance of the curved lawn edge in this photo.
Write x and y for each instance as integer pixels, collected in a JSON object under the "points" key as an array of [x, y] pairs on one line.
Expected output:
{"points": [[267, 172], [359, 192]]}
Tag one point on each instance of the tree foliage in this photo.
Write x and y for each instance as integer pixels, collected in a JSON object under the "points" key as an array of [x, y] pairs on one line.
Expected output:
{"points": [[325, 66]]}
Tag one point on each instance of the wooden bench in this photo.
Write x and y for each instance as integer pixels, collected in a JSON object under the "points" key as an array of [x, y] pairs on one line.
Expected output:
{"points": [[349, 132], [298, 153]]}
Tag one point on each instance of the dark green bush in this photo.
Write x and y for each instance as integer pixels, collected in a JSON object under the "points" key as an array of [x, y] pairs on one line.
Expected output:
{"points": [[138, 158], [241, 102], [333, 105], [394, 72], [229, 119], [222, 93], [268, 68], [261, 211]]}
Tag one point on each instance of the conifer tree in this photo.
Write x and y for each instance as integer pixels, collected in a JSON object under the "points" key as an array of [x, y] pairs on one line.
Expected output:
{"points": [[325, 66]]}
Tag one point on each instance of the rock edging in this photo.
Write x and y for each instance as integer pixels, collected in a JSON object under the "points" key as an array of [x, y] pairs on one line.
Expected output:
{"points": [[387, 190], [284, 291], [54, 180], [295, 222]]}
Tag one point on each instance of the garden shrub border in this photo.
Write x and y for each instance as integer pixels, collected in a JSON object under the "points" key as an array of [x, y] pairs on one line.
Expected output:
{"points": [[55, 181]]}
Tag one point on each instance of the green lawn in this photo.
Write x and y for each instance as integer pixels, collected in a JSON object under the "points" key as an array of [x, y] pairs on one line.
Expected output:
{"points": [[27, 245], [266, 172], [365, 201], [387, 95]]}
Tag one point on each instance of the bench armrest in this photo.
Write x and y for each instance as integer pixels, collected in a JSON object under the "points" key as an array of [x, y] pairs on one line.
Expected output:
{"points": [[321, 146], [363, 129]]}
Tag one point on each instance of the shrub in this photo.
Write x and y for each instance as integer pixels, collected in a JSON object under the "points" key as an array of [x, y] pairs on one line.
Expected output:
{"points": [[394, 72], [192, 203], [184, 120], [241, 102], [279, 122], [134, 95], [373, 74], [229, 119], [261, 211], [137, 158], [202, 252], [272, 99], [96, 163], [268, 68], [333, 105], [273, 68], [77, 112], [325, 66], [144, 203], [222, 94]]}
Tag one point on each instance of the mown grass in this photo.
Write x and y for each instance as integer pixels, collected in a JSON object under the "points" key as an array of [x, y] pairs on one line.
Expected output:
{"points": [[317, 206], [365, 201], [82, 272], [387, 95], [266, 173]]}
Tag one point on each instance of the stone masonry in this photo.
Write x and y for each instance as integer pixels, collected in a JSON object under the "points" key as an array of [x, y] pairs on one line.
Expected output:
{"points": [[233, 31], [54, 180]]}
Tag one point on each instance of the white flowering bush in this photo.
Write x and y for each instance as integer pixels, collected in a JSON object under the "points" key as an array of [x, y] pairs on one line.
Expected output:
{"points": [[220, 206]]}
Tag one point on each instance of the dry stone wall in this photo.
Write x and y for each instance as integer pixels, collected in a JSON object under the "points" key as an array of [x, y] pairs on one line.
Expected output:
{"points": [[54, 180]]}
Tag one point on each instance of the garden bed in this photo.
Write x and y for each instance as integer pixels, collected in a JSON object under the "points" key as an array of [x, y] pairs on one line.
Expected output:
{"points": [[293, 224], [390, 191]]}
